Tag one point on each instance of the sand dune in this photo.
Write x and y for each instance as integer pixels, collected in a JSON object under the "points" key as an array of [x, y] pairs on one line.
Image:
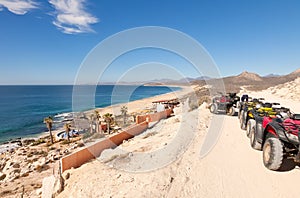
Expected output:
{"points": [[289, 90], [287, 94]]}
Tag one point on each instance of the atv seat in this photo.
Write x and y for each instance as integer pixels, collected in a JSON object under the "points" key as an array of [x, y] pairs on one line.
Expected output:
{"points": [[296, 116]]}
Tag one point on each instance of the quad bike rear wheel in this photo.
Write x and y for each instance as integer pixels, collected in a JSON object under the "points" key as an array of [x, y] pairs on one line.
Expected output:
{"points": [[231, 111], [273, 153], [213, 108], [242, 120], [240, 116], [253, 141], [250, 124]]}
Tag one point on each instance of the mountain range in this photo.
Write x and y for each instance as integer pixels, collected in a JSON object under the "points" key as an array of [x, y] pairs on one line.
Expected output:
{"points": [[253, 81]]}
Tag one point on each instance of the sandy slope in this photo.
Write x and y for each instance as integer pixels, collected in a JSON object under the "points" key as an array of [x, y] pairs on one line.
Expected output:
{"points": [[287, 94], [231, 169]]}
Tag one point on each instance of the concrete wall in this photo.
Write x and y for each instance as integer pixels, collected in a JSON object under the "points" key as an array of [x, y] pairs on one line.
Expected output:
{"points": [[128, 133], [84, 155], [91, 152], [154, 116]]}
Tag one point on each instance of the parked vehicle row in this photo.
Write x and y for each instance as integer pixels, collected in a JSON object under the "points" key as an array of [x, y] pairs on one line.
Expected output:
{"points": [[271, 128], [226, 103]]}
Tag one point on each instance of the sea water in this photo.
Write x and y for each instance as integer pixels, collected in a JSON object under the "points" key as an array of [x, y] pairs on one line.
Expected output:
{"points": [[22, 108]]}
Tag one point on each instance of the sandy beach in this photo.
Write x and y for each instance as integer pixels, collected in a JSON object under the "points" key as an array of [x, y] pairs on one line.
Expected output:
{"points": [[28, 165]]}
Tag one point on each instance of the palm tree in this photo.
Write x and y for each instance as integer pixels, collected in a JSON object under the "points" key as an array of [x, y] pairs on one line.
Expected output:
{"points": [[108, 119], [49, 121], [98, 121], [68, 129], [124, 111]]}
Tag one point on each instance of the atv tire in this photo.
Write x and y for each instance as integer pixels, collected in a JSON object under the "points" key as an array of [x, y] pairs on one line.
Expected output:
{"points": [[239, 115], [231, 111], [250, 124], [242, 120], [253, 141], [213, 108], [273, 153]]}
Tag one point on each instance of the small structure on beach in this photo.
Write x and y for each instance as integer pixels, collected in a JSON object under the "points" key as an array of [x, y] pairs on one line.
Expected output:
{"points": [[161, 105]]}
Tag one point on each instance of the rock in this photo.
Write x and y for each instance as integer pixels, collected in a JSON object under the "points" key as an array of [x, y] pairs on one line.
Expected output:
{"points": [[13, 176], [66, 151], [58, 186], [56, 157], [2, 176], [24, 174], [17, 170], [38, 168], [27, 141], [35, 159], [67, 176], [39, 191], [16, 165], [49, 161]]}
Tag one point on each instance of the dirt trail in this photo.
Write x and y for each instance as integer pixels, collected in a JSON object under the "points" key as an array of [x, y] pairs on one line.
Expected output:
{"points": [[231, 169], [234, 169]]}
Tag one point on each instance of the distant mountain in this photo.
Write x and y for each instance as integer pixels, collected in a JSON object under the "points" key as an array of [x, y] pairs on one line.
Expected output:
{"points": [[272, 75], [253, 81], [182, 81], [248, 76], [232, 83]]}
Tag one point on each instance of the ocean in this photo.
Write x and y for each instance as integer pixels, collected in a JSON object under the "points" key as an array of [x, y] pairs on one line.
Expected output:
{"points": [[22, 108]]}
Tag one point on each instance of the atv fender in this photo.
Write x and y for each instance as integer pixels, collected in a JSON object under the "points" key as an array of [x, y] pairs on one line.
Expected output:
{"points": [[269, 131], [259, 132]]}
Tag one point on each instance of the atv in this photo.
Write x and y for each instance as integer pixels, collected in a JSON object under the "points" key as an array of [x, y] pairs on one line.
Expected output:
{"points": [[260, 115], [225, 103], [278, 136], [247, 108]]}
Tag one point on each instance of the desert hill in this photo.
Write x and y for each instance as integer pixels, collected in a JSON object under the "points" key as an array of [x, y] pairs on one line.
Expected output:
{"points": [[252, 81]]}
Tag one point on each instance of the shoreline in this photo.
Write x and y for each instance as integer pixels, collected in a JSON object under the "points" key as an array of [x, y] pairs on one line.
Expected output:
{"points": [[12, 143], [38, 161]]}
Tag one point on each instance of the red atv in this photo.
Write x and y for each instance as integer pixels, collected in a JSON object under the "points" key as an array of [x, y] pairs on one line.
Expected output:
{"points": [[278, 136], [226, 103]]}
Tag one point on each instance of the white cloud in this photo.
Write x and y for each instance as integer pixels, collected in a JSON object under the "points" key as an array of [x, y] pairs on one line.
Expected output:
{"points": [[20, 7], [71, 16]]}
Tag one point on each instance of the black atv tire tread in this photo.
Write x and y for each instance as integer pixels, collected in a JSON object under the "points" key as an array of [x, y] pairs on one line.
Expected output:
{"points": [[250, 124], [253, 142], [276, 156]]}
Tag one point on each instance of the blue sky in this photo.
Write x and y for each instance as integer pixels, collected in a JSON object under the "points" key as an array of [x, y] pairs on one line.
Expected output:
{"points": [[44, 42]]}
